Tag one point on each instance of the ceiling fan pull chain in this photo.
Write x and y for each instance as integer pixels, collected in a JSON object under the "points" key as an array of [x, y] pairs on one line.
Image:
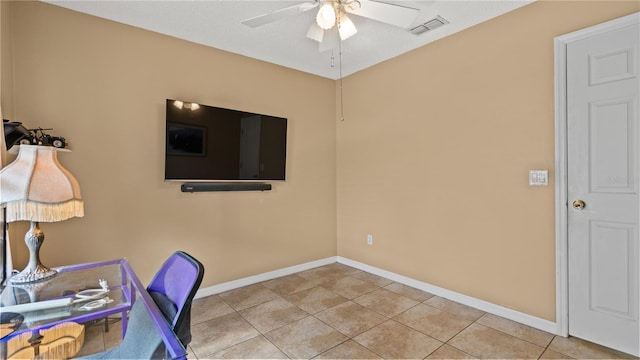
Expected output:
{"points": [[340, 67]]}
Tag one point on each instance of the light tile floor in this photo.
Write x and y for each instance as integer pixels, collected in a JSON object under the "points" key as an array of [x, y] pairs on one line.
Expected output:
{"points": [[338, 312]]}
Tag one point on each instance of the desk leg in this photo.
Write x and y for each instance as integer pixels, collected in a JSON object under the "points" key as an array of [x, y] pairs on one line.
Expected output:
{"points": [[35, 341], [125, 320]]}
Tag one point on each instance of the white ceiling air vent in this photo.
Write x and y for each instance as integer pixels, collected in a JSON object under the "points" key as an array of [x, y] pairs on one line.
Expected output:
{"points": [[429, 25]]}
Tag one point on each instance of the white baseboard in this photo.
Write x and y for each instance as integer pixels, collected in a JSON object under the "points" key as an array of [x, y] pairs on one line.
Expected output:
{"points": [[536, 322], [250, 280]]}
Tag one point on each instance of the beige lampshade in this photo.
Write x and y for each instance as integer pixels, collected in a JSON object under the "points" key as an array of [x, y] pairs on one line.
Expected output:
{"points": [[36, 187]]}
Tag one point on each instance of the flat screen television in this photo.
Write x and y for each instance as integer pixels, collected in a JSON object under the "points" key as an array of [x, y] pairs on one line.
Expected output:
{"points": [[207, 143]]}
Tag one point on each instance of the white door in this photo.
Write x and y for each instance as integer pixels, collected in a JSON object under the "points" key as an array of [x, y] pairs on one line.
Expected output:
{"points": [[603, 130]]}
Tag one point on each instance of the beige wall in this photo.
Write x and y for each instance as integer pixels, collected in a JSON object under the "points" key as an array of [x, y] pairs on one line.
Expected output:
{"points": [[103, 86], [434, 153], [6, 60]]}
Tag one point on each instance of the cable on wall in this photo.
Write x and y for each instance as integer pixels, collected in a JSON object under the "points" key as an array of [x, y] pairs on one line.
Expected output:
{"points": [[341, 91]]}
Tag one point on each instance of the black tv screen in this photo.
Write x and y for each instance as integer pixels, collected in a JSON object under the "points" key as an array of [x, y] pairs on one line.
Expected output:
{"points": [[205, 143]]}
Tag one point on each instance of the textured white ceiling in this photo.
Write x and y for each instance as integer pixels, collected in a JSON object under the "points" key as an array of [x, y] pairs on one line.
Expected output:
{"points": [[217, 24]]}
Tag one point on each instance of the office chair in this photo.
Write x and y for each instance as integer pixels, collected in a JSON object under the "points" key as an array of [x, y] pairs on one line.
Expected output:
{"points": [[172, 289]]}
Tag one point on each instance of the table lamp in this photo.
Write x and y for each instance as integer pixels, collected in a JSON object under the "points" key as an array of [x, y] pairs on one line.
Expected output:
{"points": [[36, 188]]}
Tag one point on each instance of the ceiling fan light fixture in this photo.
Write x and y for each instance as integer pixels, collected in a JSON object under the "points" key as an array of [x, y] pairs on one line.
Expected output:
{"points": [[326, 17], [346, 28]]}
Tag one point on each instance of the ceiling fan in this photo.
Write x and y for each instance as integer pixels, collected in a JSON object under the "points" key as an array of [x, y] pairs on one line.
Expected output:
{"points": [[332, 24]]}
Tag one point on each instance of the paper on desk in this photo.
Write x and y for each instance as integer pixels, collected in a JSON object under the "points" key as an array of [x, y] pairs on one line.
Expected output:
{"points": [[38, 305]]}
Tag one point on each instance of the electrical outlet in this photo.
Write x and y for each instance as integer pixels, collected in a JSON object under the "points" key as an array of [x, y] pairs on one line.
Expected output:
{"points": [[369, 239]]}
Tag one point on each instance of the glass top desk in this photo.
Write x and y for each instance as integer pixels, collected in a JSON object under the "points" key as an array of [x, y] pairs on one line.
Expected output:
{"points": [[71, 296]]}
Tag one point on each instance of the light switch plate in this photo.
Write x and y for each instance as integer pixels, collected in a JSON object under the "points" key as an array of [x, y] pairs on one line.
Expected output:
{"points": [[538, 177]]}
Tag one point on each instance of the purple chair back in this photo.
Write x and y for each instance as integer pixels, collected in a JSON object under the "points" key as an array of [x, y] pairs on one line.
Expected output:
{"points": [[173, 288]]}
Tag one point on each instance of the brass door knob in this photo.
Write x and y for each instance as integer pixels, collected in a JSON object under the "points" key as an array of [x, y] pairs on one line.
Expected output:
{"points": [[579, 204]]}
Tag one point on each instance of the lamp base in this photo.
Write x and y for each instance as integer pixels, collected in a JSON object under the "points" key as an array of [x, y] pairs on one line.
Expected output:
{"points": [[34, 271], [32, 275]]}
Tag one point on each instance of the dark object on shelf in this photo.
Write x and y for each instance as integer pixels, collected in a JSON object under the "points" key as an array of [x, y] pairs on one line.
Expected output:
{"points": [[15, 133], [39, 137], [202, 187]]}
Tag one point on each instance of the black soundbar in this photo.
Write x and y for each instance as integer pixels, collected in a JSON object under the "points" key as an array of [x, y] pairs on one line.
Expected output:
{"points": [[202, 187]]}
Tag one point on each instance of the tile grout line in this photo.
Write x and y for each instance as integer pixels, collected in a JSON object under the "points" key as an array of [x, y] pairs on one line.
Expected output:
{"points": [[260, 333], [448, 312], [242, 317], [458, 333], [519, 338], [547, 347], [349, 338]]}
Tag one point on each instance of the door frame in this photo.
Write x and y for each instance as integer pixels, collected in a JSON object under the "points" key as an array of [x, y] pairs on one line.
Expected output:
{"points": [[561, 161]]}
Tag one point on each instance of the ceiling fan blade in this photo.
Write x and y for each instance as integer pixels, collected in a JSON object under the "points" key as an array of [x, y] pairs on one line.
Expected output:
{"points": [[279, 14], [330, 41], [397, 15], [315, 32]]}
